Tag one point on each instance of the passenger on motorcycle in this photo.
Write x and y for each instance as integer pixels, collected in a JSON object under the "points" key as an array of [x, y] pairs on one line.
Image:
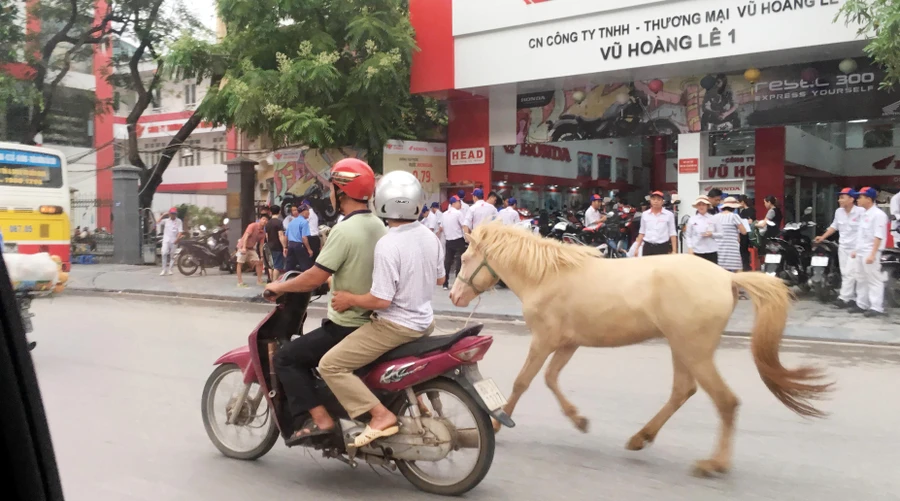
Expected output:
{"points": [[349, 260], [408, 265]]}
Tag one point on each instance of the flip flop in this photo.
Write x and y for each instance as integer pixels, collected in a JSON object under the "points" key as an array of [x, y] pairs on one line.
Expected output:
{"points": [[369, 435], [311, 429]]}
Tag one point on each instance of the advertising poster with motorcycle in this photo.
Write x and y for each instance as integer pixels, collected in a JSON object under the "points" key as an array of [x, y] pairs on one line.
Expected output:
{"points": [[826, 91], [426, 161], [304, 171]]}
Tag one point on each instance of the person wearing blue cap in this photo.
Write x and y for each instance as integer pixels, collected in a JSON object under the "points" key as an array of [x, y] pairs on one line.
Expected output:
{"points": [[452, 226], [593, 215], [846, 221], [510, 215], [481, 211], [436, 214], [870, 241], [463, 206]]}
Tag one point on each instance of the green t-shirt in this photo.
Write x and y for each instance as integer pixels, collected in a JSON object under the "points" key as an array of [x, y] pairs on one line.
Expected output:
{"points": [[349, 255]]}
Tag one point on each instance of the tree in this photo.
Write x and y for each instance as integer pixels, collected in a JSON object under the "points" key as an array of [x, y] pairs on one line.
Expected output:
{"points": [[162, 43], [881, 17], [12, 44], [321, 73]]}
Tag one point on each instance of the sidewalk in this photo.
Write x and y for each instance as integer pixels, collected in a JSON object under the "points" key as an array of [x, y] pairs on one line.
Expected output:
{"points": [[808, 319]]}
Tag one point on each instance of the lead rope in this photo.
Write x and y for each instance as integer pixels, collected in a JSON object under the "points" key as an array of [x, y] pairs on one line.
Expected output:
{"points": [[468, 319]]}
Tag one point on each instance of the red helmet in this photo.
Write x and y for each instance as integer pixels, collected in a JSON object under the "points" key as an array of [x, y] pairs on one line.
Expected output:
{"points": [[354, 177]]}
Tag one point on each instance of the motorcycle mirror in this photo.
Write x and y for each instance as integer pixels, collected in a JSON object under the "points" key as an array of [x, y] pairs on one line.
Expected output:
{"points": [[202, 227], [226, 221]]}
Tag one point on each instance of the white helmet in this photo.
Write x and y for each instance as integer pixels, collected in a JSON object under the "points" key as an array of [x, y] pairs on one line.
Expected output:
{"points": [[399, 195]]}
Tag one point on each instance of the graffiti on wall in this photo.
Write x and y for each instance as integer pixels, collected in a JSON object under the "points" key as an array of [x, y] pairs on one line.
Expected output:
{"points": [[301, 170]]}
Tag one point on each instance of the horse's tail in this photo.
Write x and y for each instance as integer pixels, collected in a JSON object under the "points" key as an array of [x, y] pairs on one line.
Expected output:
{"points": [[794, 387]]}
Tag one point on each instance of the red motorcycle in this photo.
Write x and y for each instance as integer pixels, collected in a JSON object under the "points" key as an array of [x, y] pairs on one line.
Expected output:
{"points": [[432, 384]]}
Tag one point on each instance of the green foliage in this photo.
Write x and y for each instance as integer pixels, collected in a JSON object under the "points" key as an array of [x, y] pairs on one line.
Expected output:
{"points": [[321, 73], [881, 18], [194, 216], [12, 45]]}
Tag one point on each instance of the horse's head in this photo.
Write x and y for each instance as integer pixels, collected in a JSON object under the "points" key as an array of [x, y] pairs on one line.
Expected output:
{"points": [[474, 277]]}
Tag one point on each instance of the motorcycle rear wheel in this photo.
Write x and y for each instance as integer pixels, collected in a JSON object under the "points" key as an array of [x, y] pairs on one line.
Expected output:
{"points": [[187, 264], [207, 411], [485, 437]]}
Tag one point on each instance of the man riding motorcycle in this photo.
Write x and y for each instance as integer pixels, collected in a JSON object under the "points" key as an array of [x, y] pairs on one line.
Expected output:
{"points": [[349, 260]]}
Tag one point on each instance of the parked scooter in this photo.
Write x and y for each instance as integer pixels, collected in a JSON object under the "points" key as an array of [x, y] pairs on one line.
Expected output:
{"points": [[825, 270], [788, 255], [435, 437], [890, 264], [207, 250]]}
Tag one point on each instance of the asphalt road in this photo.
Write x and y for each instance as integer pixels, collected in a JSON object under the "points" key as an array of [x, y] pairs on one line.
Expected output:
{"points": [[122, 377]]}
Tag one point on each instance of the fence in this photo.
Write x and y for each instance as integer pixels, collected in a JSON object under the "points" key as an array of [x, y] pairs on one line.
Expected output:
{"points": [[90, 245]]}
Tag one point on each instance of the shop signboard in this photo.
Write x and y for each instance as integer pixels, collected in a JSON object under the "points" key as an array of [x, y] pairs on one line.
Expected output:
{"points": [[467, 156], [688, 165], [426, 161], [564, 38], [781, 95], [728, 186]]}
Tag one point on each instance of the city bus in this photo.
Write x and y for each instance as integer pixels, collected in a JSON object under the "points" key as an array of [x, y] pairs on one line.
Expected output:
{"points": [[34, 201]]}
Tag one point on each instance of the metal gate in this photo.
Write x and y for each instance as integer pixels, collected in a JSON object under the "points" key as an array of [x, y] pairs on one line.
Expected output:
{"points": [[90, 244]]}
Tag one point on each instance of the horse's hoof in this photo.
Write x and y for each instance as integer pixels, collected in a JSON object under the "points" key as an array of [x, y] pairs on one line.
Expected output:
{"points": [[637, 442], [581, 423], [496, 424], [707, 468]]}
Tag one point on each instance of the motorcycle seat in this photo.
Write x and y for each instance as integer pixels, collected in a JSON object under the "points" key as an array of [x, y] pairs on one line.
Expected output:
{"points": [[428, 344]]}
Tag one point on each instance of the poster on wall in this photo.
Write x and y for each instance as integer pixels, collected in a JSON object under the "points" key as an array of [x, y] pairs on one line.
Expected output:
{"points": [[604, 167], [426, 161], [304, 171], [826, 91], [621, 170], [585, 164]]}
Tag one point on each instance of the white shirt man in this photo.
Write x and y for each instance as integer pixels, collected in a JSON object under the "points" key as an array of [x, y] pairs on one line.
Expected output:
{"points": [[452, 226], [870, 241], [847, 219], [172, 229], [510, 216], [592, 215], [480, 213], [657, 234], [313, 223]]}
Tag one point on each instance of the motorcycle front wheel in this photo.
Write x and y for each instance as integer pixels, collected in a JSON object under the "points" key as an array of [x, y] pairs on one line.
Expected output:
{"points": [[253, 433], [466, 416], [187, 264]]}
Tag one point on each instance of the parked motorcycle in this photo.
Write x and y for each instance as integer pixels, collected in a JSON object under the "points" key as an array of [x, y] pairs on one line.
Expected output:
{"points": [[318, 200], [245, 420], [825, 274], [206, 250], [788, 255], [626, 121], [890, 264]]}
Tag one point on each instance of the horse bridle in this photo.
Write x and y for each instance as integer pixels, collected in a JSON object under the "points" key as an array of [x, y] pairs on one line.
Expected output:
{"points": [[469, 281]]}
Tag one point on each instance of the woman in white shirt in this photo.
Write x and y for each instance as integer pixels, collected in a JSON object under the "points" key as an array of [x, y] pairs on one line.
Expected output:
{"points": [[701, 231]]}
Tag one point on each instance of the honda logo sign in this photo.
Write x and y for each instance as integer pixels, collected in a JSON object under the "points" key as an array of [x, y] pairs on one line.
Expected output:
{"points": [[467, 156]]}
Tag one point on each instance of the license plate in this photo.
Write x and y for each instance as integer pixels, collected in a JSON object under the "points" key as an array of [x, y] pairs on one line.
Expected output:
{"points": [[491, 395], [773, 258], [819, 261]]}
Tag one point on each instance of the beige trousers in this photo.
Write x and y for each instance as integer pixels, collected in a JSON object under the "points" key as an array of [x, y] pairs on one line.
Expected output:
{"points": [[362, 347]]}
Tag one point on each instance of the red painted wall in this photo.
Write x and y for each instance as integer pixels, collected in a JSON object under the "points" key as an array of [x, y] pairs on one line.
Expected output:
{"points": [[469, 128], [103, 127], [432, 65], [770, 151]]}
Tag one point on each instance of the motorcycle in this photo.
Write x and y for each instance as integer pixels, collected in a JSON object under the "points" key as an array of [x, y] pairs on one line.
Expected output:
{"points": [[443, 369], [825, 274], [317, 199], [788, 255], [205, 250], [624, 122], [890, 264]]}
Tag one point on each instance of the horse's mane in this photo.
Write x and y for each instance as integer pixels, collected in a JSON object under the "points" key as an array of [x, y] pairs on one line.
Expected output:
{"points": [[525, 253]]}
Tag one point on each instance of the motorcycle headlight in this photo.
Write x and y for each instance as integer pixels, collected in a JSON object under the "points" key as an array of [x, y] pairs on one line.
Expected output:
{"points": [[211, 242]]}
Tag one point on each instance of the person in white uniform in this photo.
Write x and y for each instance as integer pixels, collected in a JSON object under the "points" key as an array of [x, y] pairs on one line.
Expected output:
{"points": [[895, 218], [452, 226], [438, 215], [172, 230], [510, 215], [700, 232], [314, 241], [657, 235], [593, 216], [846, 222], [870, 241], [463, 206], [481, 211]]}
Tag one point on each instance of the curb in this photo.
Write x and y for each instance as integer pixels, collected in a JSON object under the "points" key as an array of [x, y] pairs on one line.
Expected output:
{"points": [[452, 314]]}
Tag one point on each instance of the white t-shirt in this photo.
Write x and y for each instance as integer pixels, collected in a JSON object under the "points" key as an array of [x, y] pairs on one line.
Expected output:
{"points": [[592, 216], [657, 228], [313, 223], [480, 213], [409, 260], [873, 225], [509, 216], [847, 225], [451, 223], [171, 229], [430, 221]]}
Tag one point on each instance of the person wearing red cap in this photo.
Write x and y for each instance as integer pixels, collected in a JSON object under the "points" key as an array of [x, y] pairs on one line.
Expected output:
{"points": [[870, 241], [172, 230], [846, 221], [593, 215], [657, 234]]}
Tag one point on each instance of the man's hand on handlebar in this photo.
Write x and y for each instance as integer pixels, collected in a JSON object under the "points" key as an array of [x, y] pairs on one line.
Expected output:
{"points": [[273, 291]]}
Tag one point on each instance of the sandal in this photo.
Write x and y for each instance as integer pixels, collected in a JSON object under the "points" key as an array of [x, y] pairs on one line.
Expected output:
{"points": [[310, 429], [369, 435]]}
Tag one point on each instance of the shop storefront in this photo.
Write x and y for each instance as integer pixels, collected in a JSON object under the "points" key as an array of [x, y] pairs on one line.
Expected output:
{"points": [[553, 101]]}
